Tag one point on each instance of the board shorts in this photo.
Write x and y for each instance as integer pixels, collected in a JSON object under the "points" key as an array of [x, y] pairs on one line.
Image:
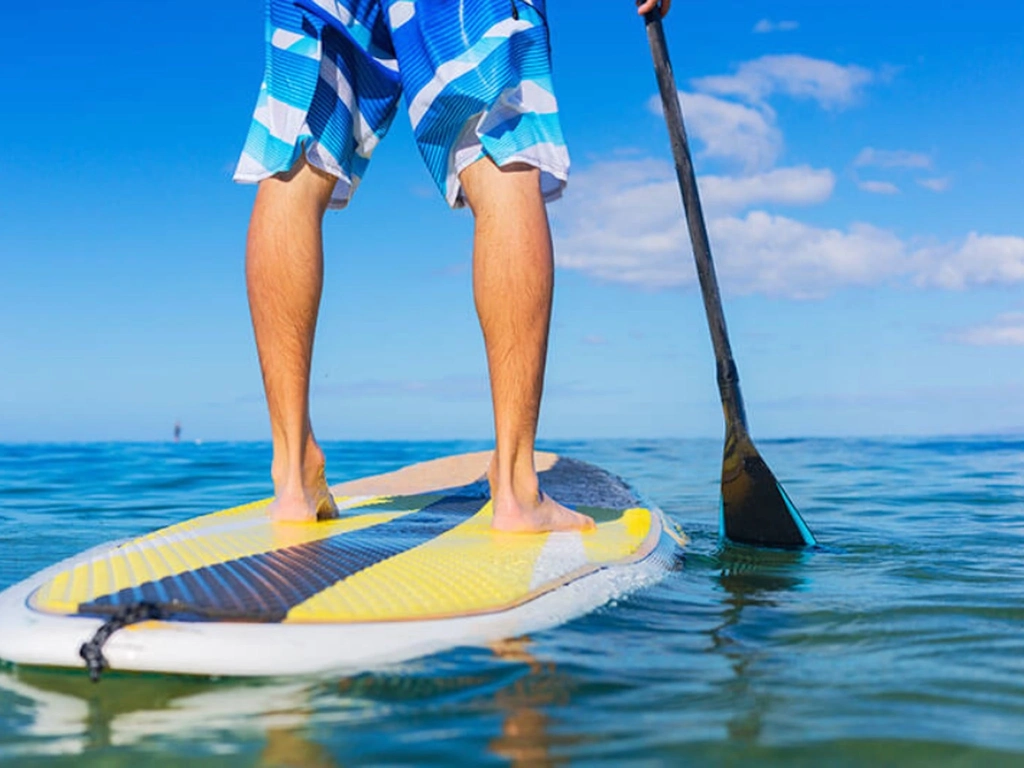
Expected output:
{"points": [[476, 75]]}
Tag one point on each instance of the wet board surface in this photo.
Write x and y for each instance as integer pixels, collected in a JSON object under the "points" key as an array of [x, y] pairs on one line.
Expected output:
{"points": [[411, 567]]}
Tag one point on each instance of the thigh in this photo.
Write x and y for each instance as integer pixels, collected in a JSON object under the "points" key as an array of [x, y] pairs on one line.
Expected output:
{"points": [[329, 93], [477, 81]]}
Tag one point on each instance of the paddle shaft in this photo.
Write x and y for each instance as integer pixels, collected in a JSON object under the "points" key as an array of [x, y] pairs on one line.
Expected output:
{"points": [[728, 377]]}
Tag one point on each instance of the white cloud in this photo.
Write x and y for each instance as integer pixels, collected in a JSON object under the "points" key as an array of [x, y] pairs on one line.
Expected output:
{"points": [[979, 260], [1006, 330], [729, 131], [777, 256], [879, 187], [622, 221], [936, 184], [892, 158], [747, 133], [800, 185], [646, 191], [831, 85], [765, 26]]}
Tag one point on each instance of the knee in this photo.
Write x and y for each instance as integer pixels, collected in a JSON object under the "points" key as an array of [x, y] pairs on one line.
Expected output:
{"points": [[487, 187], [303, 188]]}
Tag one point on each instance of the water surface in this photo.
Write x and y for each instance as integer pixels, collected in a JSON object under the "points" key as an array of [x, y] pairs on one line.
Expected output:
{"points": [[899, 640]]}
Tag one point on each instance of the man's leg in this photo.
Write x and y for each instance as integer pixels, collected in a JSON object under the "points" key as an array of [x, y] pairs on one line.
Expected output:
{"points": [[284, 274], [513, 279]]}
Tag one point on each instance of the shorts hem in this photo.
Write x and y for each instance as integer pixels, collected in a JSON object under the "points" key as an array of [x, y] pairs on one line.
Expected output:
{"points": [[552, 187], [344, 186]]}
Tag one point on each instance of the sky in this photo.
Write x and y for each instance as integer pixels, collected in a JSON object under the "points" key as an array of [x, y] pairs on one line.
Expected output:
{"points": [[861, 167]]}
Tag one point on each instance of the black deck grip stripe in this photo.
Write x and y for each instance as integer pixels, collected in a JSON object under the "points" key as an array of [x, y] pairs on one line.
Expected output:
{"points": [[271, 589], [221, 587]]}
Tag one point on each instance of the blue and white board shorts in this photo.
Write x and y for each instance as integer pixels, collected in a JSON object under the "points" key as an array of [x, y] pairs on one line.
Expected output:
{"points": [[476, 76]]}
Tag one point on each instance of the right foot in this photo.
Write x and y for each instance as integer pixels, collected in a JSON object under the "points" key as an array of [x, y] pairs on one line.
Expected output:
{"points": [[530, 510], [545, 515]]}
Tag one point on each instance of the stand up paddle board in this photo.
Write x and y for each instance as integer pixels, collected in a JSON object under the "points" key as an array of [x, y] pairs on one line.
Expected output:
{"points": [[411, 567]]}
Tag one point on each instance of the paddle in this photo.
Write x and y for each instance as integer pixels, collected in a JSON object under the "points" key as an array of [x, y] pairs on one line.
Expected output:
{"points": [[755, 508]]}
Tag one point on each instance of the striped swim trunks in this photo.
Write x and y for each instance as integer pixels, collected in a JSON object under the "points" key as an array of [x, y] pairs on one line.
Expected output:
{"points": [[476, 75]]}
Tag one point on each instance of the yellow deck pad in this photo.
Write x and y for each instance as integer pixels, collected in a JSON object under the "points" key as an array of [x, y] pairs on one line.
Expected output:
{"points": [[216, 538], [473, 569]]}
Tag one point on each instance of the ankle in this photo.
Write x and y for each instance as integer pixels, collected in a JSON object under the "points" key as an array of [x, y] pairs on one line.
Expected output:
{"points": [[516, 482], [299, 471]]}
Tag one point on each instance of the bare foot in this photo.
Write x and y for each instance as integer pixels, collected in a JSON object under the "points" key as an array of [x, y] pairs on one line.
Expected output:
{"points": [[304, 500], [544, 515]]}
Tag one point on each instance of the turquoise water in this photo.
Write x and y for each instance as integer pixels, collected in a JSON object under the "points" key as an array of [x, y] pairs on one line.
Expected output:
{"points": [[900, 640]]}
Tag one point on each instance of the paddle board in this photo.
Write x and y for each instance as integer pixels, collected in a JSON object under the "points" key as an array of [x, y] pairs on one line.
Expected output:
{"points": [[411, 567]]}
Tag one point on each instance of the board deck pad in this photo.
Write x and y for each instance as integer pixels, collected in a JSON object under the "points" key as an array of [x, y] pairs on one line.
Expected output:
{"points": [[411, 567], [390, 557]]}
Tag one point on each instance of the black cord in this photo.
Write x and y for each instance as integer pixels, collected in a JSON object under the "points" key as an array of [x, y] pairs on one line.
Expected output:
{"points": [[92, 651], [133, 613]]}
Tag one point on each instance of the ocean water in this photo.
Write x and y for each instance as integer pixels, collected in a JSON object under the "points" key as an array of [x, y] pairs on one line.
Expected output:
{"points": [[900, 640]]}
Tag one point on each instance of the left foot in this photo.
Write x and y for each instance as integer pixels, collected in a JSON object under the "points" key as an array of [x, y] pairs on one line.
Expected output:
{"points": [[303, 496], [304, 505]]}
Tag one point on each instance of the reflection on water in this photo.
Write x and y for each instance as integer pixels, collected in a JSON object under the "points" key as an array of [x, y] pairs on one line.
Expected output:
{"points": [[751, 581], [526, 737], [62, 713], [898, 641]]}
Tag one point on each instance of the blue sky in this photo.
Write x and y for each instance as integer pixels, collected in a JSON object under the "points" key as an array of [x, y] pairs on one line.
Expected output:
{"points": [[861, 166]]}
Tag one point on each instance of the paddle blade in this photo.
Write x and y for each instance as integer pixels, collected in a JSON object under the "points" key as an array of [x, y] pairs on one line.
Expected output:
{"points": [[755, 508]]}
